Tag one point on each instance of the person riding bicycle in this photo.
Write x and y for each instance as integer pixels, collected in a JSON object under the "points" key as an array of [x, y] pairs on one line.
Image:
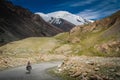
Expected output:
{"points": [[28, 67]]}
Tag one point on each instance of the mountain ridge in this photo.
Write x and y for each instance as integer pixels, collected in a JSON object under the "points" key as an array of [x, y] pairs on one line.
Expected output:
{"points": [[18, 23]]}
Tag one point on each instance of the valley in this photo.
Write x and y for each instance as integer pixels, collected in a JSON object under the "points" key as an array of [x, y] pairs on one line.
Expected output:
{"points": [[86, 49]]}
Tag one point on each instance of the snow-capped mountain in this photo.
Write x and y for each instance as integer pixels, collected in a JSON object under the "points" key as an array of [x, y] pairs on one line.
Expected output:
{"points": [[61, 23], [72, 18]]}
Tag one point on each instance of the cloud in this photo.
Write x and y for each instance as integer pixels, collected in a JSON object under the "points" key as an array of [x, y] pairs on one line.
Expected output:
{"points": [[76, 3], [104, 9], [82, 3], [65, 4], [89, 14]]}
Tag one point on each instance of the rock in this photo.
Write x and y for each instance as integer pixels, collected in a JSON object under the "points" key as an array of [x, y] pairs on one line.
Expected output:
{"points": [[77, 74], [92, 77], [60, 65], [118, 74], [95, 77], [88, 71], [5, 62], [84, 78], [112, 70], [98, 65], [84, 74], [59, 70], [90, 62], [65, 68], [111, 79], [75, 40], [97, 69]]}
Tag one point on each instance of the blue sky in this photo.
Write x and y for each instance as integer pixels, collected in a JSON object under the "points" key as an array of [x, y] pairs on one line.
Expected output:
{"points": [[89, 9]]}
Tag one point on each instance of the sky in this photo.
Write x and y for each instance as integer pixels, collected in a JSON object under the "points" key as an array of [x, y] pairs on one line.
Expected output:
{"points": [[89, 9]]}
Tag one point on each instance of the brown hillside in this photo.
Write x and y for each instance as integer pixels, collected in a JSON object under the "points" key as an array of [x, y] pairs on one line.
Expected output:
{"points": [[18, 23]]}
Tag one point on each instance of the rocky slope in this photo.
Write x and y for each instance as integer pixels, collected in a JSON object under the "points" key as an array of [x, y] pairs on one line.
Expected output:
{"points": [[18, 23], [101, 37], [89, 68]]}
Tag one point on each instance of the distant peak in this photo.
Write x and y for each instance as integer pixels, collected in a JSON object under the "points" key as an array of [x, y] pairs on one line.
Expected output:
{"points": [[74, 19]]}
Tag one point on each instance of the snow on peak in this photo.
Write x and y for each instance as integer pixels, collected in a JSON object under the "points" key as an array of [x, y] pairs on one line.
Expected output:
{"points": [[77, 20], [59, 14]]}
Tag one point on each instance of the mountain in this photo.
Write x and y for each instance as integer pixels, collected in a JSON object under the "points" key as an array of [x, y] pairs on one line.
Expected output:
{"points": [[18, 23], [61, 23], [58, 22], [74, 19], [63, 19]]}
